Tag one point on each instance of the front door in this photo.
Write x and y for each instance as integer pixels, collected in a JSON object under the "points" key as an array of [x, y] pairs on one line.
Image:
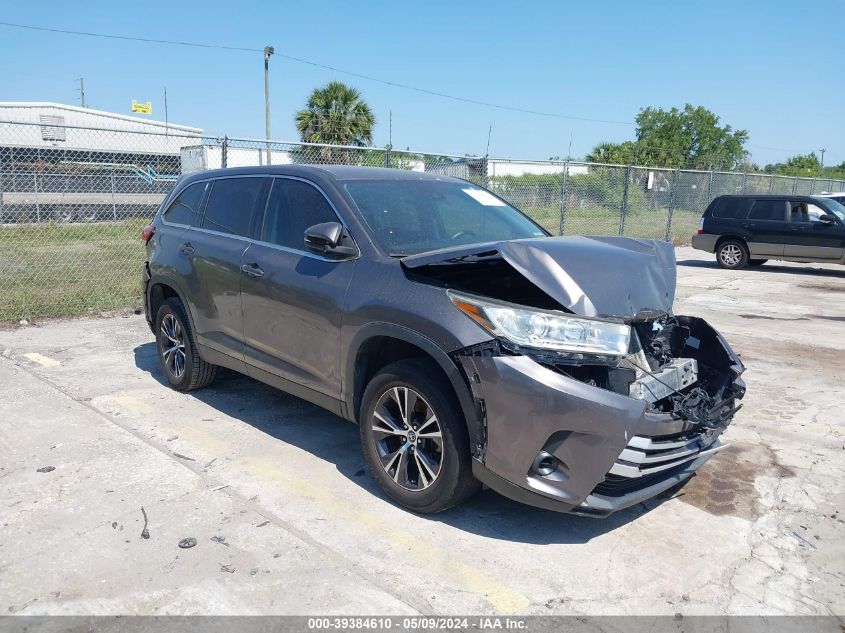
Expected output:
{"points": [[809, 237], [292, 297]]}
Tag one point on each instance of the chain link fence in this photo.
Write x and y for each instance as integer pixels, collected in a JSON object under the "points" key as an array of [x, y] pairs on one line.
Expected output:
{"points": [[73, 201]]}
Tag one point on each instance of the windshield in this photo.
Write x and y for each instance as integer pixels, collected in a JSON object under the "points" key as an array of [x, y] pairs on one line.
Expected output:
{"points": [[414, 216], [834, 206]]}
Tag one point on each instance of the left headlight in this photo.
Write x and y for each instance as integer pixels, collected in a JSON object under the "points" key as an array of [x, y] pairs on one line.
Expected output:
{"points": [[543, 329]]}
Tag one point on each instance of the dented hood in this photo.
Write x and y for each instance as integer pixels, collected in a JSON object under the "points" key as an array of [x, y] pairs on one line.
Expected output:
{"points": [[591, 276]]}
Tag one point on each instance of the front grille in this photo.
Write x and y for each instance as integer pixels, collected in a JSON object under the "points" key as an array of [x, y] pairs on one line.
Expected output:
{"points": [[648, 460]]}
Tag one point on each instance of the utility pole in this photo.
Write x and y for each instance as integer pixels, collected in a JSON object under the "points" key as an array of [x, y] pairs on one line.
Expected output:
{"points": [[823, 150], [268, 50], [81, 81]]}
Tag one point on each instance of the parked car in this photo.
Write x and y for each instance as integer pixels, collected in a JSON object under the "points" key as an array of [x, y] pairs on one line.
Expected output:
{"points": [[836, 197], [749, 230], [469, 345]]}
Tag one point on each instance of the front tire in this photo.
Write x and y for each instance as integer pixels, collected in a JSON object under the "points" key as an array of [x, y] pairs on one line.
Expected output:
{"points": [[732, 254], [177, 349], [415, 438]]}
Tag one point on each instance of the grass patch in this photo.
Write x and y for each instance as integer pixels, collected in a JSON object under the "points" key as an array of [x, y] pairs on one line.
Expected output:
{"points": [[650, 223], [53, 270]]}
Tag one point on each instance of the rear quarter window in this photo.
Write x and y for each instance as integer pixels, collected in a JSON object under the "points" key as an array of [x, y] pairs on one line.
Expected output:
{"points": [[730, 208], [186, 208]]}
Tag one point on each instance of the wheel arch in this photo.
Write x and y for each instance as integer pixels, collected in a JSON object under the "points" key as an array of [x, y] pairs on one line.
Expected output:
{"points": [[731, 236], [378, 344], [159, 289]]}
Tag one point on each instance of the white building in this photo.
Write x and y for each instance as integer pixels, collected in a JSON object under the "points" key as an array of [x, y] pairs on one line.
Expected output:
{"points": [[71, 128]]}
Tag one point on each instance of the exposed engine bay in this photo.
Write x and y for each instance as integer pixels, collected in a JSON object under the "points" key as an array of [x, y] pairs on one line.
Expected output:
{"points": [[676, 364]]}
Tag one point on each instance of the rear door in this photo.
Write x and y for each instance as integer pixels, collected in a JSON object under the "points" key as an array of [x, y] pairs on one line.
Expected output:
{"points": [[766, 224], [214, 251], [168, 259], [809, 237], [293, 297]]}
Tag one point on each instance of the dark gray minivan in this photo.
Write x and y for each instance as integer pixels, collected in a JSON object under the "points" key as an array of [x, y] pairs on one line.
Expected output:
{"points": [[469, 346]]}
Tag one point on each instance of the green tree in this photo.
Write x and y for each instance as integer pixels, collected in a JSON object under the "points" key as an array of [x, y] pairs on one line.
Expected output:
{"points": [[806, 165], [688, 138], [336, 114]]}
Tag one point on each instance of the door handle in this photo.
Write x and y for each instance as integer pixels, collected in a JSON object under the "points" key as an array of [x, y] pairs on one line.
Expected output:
{"points": [[187, 248], [748, 225], [253, 270]]}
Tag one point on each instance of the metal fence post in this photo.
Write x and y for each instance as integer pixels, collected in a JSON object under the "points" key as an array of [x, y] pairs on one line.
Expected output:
{"points": [[624, 207], [563, 194], [812, 186], [794, 185], [744, 180], [387, 149], [710, 187], [485, 181], [224, 153], [37, 204], [671, 204], [113, 205]]}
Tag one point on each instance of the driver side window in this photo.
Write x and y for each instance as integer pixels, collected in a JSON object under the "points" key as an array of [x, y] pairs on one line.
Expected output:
{"points": [[815, 213], [292, 207]]}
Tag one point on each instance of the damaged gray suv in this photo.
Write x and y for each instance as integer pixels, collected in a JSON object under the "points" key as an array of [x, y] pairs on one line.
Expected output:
{"points": [[468, 345]]}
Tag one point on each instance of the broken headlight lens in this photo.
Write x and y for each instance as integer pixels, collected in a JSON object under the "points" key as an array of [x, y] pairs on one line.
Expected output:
{"points": [[543, 329]]}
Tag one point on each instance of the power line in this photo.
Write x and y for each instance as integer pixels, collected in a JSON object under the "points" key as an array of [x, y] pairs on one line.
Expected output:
{"points": [[129, 38], [323, 66]]}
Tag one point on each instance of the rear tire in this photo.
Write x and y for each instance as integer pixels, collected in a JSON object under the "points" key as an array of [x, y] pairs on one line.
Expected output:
{"points": [[732, 254], [757, 262], [415, 438], [177, 349]]}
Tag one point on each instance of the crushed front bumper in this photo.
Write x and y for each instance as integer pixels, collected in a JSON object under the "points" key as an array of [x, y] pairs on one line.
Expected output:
{"points": [[611, 452]]}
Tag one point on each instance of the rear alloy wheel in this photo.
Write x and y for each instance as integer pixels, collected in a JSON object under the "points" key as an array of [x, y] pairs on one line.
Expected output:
{"points": [[177, 351], [415, 438], [732, 254]]}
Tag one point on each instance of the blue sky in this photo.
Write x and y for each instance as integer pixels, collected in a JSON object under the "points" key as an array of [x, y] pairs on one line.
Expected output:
{"points": [[774, 68]]}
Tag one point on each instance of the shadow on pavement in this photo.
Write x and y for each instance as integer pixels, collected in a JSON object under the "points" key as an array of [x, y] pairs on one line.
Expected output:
{"points": [[294, 421], [806, 271]]}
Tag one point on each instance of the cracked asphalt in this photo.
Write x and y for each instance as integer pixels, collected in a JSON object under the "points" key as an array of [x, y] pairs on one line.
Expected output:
{"points": [[288, 521]]}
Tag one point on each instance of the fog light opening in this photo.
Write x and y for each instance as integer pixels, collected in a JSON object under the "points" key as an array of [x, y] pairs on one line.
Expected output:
{"points": [[545, 464]]}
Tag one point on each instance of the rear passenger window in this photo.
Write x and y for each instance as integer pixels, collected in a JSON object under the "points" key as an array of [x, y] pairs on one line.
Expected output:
{"points": [[731, 208], [231, 205], [768, 210], [293, 207], [185, 209]]}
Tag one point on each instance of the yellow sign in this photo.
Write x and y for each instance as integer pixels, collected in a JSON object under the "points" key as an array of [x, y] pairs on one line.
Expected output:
{"points": [[142, 108]]}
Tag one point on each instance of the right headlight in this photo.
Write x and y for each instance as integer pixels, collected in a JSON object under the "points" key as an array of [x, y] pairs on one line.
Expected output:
{"points": [[544, 329]]}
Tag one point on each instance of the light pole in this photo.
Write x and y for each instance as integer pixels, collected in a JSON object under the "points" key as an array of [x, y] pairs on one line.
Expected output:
{"points": [[823, 150], [268, 50]]}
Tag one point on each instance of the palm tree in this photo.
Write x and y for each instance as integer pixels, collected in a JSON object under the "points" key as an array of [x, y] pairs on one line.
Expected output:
{"points": [[336, 114]]}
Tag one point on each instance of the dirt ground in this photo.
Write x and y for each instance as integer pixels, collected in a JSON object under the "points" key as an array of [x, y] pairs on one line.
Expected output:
{"points": [[288, 521]]}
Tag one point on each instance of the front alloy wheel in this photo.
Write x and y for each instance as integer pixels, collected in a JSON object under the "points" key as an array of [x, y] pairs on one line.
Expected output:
{"points": [[415, 438], [408, 438]]}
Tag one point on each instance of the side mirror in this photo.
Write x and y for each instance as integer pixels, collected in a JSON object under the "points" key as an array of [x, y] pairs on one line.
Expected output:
{"points": [[329, 238], [827, 218]]}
